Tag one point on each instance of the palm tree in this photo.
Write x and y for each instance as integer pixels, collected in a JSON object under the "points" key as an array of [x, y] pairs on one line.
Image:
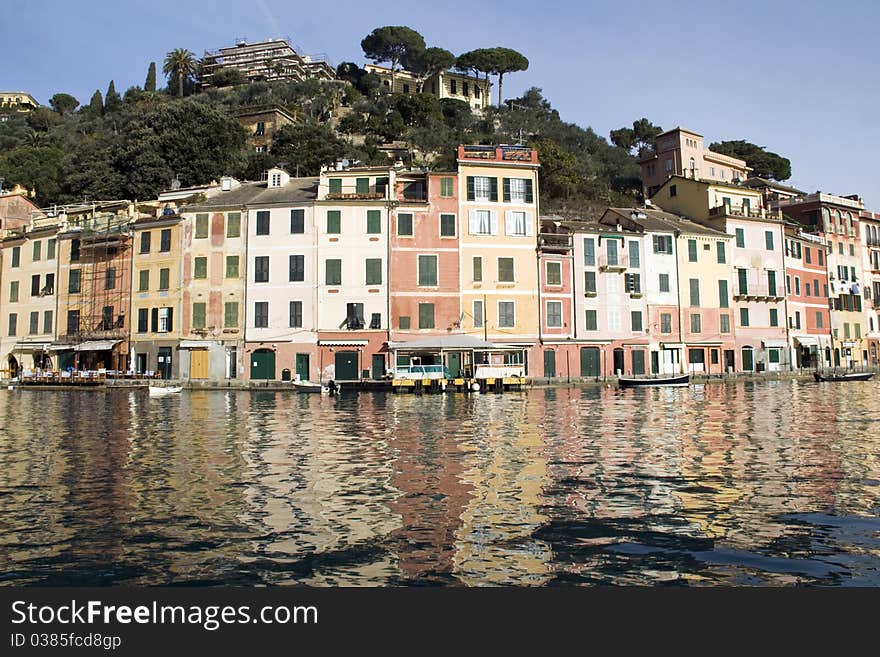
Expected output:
{"points": [[180, 63]]}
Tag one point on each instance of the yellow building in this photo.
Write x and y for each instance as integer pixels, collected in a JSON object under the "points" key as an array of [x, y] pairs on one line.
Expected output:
{"points": [[156, 294], [19, 101], [445, 84], [498, 223], [27, 297]]}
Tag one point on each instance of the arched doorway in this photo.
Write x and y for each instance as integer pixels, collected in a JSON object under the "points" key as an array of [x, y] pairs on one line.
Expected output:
{"points": [[12, 366], [263, 364]]}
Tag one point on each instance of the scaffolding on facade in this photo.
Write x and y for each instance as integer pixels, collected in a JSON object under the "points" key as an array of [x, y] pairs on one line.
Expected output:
{"points": [[94, 314]]}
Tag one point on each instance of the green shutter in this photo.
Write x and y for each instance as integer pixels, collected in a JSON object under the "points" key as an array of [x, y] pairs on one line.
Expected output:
{"points": [[233, 224], [374, 222], [695, 292], [589, 251], [163, 278], [334, 222], [201, 225], [335, 185], [723, 301], [404, 324], [447, 225], [692, 250], [230, 314], [428, 270], [144, 280], [200, 268], [333, 272], [470, 188], [506, 186], [743, 281], [722, 256], [478, 268], [426, 315], [198, 316], [231, 266], [446, 187], [405, 224], [530, 197], [740, 238], [493, 189], [362, 185], [374, 271], [771, 280]]}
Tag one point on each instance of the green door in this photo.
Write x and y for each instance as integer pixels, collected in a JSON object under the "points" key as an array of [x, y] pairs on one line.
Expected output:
{"points": [[748, 360], [378, 366], [263, 364], [638, 358], [346, 363], [590, 361], [453, 364], [549, 363], [302, 366]]}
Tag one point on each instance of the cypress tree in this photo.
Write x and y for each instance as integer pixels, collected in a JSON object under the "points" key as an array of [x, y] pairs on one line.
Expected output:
{"points": [[96, 105], [150, 84], [112, 100]]}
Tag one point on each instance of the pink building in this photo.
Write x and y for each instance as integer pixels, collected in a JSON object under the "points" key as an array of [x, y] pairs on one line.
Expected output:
{"points": [[556, 271], [424, 262], [806, 287]]}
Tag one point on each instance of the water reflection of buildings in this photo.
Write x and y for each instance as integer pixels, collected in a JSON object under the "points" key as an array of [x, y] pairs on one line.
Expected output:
{"points": [[506, 468], [427, 474], [319, 488]]}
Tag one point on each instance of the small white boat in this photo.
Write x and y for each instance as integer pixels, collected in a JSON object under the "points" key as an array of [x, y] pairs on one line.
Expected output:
{"points": [[311, 387], [161, 391]]}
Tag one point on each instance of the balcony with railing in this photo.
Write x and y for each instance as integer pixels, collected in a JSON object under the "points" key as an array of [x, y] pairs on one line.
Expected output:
{"points": [[555, 243], [620, 262], [502, 153], [357, 193], [759, 292], [744, 211]]}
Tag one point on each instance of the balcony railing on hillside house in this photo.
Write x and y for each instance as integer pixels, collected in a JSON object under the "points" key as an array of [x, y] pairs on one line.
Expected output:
{"points": [[498, 153], [555, 242], [358, 193], [619, 263], [727, 210], [759, 292]]}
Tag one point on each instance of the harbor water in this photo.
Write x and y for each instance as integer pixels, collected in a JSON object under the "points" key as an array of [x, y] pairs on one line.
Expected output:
{"points": [[744, 483]]}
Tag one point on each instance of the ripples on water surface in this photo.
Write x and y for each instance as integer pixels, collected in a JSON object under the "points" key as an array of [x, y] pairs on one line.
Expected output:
{"points": [[745, 484]]}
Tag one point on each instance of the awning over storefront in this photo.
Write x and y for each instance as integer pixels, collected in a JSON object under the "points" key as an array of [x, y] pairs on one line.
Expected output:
{"points": [[774, 344], [443, 342], [807, 340], [672, 345], [57, 346], [32, 346], [196, 344], [343, 343], [96, 345]]}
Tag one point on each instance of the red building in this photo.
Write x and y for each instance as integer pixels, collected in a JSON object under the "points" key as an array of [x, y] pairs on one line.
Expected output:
{"points": [[806, 292]]}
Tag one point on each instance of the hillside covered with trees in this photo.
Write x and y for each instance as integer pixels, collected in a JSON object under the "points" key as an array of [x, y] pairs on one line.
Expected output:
{"points": [[131, 145]]}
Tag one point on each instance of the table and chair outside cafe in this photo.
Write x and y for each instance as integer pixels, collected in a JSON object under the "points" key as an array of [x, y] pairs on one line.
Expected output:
{"points": [[457, 362]]}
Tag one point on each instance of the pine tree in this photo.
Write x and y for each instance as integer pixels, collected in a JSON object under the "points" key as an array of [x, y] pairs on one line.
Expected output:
{"points": [[150, 84], [96, 105], [112, 100]]}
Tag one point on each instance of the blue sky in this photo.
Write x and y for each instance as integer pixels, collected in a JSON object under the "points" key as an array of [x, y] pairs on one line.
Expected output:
{"points": [[800, 78]]}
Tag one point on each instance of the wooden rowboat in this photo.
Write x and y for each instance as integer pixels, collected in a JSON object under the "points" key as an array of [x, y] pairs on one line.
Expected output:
{"points": [[645, 382], [843, 376]]}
